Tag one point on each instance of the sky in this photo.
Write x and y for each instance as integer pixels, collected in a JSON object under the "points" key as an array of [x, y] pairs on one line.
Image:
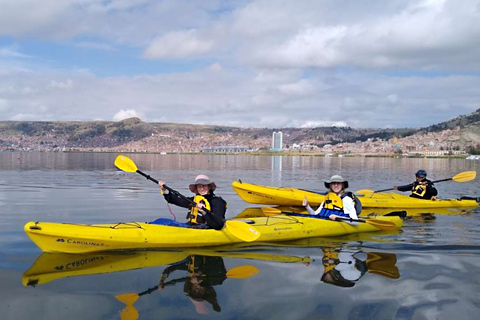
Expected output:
{"points": [[260, 63]]}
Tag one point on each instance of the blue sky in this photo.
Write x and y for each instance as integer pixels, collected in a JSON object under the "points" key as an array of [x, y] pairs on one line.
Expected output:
{"points": [[263, 63]]}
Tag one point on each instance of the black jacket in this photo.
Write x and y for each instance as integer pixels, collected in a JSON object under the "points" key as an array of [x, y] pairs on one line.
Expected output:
{"points": [[430, 192], [215, 219]]}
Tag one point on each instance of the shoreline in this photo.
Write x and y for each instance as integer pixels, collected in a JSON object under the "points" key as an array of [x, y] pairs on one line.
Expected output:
{"points": [[255, 153]]}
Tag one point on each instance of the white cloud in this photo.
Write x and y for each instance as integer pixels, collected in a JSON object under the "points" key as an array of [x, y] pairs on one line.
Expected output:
{"points": [[11, 52], [125, 114], [4, 105], [392, 98], [216, 67], [320, 123], [300, 88], [67, 84], [176, 45], [26, 117]]}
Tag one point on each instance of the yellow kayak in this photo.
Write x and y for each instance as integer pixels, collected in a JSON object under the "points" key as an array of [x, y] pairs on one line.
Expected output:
{"points": [[82, 238], [258, 194]]}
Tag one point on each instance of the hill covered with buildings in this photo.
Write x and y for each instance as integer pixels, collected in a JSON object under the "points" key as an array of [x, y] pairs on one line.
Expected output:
{"points": [[459, 135]]}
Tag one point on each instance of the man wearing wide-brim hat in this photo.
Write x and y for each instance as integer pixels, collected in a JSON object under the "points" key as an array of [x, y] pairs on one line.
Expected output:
{"points": [[208, 210]]}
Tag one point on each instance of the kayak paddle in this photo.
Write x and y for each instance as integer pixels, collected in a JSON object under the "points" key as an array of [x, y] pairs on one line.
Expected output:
{"points": [[461, 177], [239, 229], [379, 224]]}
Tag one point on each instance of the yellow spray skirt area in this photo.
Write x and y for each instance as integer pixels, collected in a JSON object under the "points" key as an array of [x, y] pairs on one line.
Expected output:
{"points": [[80, 238], [258, 194]]}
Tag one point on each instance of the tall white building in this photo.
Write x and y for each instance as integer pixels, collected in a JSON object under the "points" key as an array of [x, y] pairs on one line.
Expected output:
{"points": [[277, 140]]}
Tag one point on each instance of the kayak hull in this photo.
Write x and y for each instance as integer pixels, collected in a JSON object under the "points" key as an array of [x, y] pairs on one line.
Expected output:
{"points": [[80, 238], [258, 194]]}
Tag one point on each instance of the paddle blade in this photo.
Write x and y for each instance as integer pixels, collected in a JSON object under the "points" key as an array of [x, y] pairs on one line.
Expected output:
{"points": [[127, 298], [242, 230], [129, 313], [383, 264], [465, 176], [381, 224], [243, 272], [125, 164]]}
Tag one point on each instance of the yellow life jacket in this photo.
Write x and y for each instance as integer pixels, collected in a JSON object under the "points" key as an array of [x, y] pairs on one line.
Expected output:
{"points": [[330, 259], [193, 215], [333, 202], [419, 190], [191, 266]]}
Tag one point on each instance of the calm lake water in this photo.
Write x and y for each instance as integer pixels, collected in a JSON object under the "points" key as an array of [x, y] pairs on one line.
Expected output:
{"points": [[428, 270]]}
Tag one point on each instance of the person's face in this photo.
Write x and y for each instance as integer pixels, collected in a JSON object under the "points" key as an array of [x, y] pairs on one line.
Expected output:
{"points": [[202, 189], [336, 186], [419, 179]]}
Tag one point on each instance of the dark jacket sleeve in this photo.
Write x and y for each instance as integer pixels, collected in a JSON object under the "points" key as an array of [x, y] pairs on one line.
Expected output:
{"points": [[407, 187], [431, 190], [182, 265], [216, 219], [175, 199]]}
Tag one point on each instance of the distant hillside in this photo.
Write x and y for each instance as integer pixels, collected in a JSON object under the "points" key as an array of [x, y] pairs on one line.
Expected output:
{"points": [[472, 119], [468, 130], [135, 135]]}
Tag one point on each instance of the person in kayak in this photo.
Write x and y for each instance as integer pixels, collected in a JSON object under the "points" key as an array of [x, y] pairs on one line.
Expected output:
{"points": [[338, 202], [421, 188], [209, 210]]}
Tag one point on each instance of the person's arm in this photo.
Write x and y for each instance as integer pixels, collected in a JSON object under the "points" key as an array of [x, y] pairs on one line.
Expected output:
{"points": [[177, 200], [431, 189], [216, 219], [182, 265], [174, 197], [349, 208], [407, 187], [314, 212]]}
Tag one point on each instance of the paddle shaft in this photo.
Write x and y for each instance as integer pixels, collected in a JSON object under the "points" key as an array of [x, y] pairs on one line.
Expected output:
{"points": [[350, 219], [171, 190], [326, 218], [389, 189]]}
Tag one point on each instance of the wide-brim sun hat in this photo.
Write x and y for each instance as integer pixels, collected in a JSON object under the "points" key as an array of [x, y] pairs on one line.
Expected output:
{"points": [[202, 179], [336, 178]]}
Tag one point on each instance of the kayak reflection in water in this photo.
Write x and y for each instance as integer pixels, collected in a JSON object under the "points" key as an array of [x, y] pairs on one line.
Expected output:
{"points": [[344, 268], [203, 273]]}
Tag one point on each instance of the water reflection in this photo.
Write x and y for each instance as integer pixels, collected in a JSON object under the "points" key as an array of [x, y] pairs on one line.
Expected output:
{"points": [[344, 267], [198, 274], [201, 271]]}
